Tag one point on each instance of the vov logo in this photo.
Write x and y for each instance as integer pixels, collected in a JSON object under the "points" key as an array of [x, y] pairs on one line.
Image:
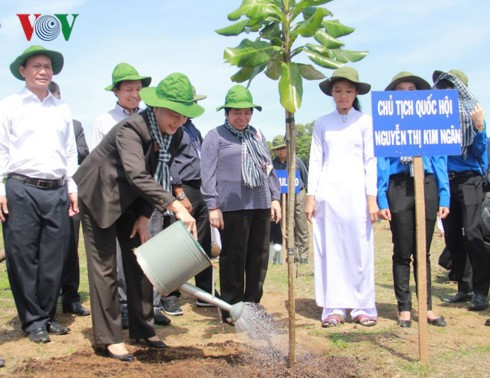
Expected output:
{"points": [[47, 27]]}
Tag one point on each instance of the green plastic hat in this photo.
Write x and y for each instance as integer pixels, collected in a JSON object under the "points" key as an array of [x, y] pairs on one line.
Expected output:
{"points": [[55, 56], [278, 142], [458, 73], [175, 93], [344, 73], [126, 72], [405, 76], [239, 97]]}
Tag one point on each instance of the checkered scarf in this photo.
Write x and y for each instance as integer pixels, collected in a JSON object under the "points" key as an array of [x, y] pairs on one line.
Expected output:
{"points": [[467, 102], [162, 173], [255, 156]]}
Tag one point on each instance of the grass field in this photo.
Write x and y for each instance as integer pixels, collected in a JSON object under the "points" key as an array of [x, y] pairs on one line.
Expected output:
{"points": [[460, 350]]}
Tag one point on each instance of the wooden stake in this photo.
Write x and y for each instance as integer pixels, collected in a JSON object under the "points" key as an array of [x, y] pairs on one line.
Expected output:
{"points": [[421, 258]]}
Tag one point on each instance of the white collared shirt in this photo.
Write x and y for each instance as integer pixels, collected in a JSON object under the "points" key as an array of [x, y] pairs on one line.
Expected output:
{"points": [[105, 122], [37, 138]]}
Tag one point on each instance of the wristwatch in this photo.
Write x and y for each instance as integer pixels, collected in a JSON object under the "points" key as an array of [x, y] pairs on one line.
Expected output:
{"points": [[181, 196]]}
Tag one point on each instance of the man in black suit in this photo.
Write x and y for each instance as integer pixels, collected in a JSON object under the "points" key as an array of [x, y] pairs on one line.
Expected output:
{"points": [[70, 280], [120, 183]]}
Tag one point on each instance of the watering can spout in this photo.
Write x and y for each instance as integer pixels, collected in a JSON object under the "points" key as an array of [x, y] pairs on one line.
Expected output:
{"points": [[234, 310]]}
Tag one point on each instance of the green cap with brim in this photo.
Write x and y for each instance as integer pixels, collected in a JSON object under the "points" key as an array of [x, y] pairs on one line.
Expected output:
{"points": [[175, 93], [458, 73], [239, 97], [126, 72], [405, 76], [278, 142], [56, 60], [344, 73]]}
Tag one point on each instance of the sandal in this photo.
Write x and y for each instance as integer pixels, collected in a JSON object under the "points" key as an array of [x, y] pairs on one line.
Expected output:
{"points": [[332, 320], [365, 320]]}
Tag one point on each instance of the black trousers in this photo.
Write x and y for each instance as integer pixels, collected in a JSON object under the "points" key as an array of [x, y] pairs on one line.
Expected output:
{"points": [[70, 281], [36, 235], [100, 245], [401, 199], [466, 205], [244, 255]]}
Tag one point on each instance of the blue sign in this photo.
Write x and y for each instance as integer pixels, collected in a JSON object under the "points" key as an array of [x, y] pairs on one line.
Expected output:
{"points": [[283, 180], [416, 123]]}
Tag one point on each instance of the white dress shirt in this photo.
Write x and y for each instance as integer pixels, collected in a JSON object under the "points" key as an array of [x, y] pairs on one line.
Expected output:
{"points": [[37, 139], [105, 122]]}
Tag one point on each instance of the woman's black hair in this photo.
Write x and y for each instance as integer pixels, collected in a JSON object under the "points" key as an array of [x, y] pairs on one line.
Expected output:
{"points": [[227, 110], [356, 104]]}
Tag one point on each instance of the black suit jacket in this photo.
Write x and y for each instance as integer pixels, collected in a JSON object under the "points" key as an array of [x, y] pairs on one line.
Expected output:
{"points": [[82, 147], [117, 176]]}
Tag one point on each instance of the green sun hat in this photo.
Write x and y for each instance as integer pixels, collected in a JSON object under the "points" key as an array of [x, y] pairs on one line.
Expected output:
{"points": [[126, 72], [405, 76], [175, 92], [239, 97], [344, 73], [458, 73], [278, 142], [56, 60]]}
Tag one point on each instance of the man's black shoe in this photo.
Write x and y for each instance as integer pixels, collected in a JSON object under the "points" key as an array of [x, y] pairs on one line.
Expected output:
{"points": [[459, 297], [39, 335], [2, 362], [76, 308], [160, 317], [478, 303], [56, 328]]}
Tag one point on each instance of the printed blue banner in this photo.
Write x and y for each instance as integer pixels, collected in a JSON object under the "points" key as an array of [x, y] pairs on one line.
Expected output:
{"points": [[416, 123], [283, 180]]}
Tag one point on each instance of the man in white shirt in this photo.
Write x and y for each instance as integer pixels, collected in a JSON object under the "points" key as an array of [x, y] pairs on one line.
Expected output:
{"points": [[38, 157]]}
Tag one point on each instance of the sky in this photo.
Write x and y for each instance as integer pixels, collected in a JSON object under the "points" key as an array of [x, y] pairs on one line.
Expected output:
{"points": [[159, 37]]}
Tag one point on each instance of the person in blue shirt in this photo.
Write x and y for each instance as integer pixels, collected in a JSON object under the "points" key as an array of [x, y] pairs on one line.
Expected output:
{"points": [[466, 186], [396, 201]]}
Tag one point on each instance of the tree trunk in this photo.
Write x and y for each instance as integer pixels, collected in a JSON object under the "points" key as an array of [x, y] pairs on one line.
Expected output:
{"points": [[290, 242]]}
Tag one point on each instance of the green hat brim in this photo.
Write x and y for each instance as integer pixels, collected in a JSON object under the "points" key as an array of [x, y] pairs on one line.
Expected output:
{"points": [[187, 109], [277, 146], [459, 74], [240, 105], [418, 81], [56, 60], [326, 85], [145, 81]]}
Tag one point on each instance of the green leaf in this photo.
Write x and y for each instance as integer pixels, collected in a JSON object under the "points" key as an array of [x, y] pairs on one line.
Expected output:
{"points": [[308, 11], [309, 27], [257, 10], [336, 29], [273, 70], [247, 73], [290, 87], [309, 72], [327, 40], [323, 61], [249, 53], [349, 55], [233, 29]]}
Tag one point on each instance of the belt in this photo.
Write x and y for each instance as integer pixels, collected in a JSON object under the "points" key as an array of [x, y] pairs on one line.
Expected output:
{"points": [[453, 175], [38, 183], [196, 184]]}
